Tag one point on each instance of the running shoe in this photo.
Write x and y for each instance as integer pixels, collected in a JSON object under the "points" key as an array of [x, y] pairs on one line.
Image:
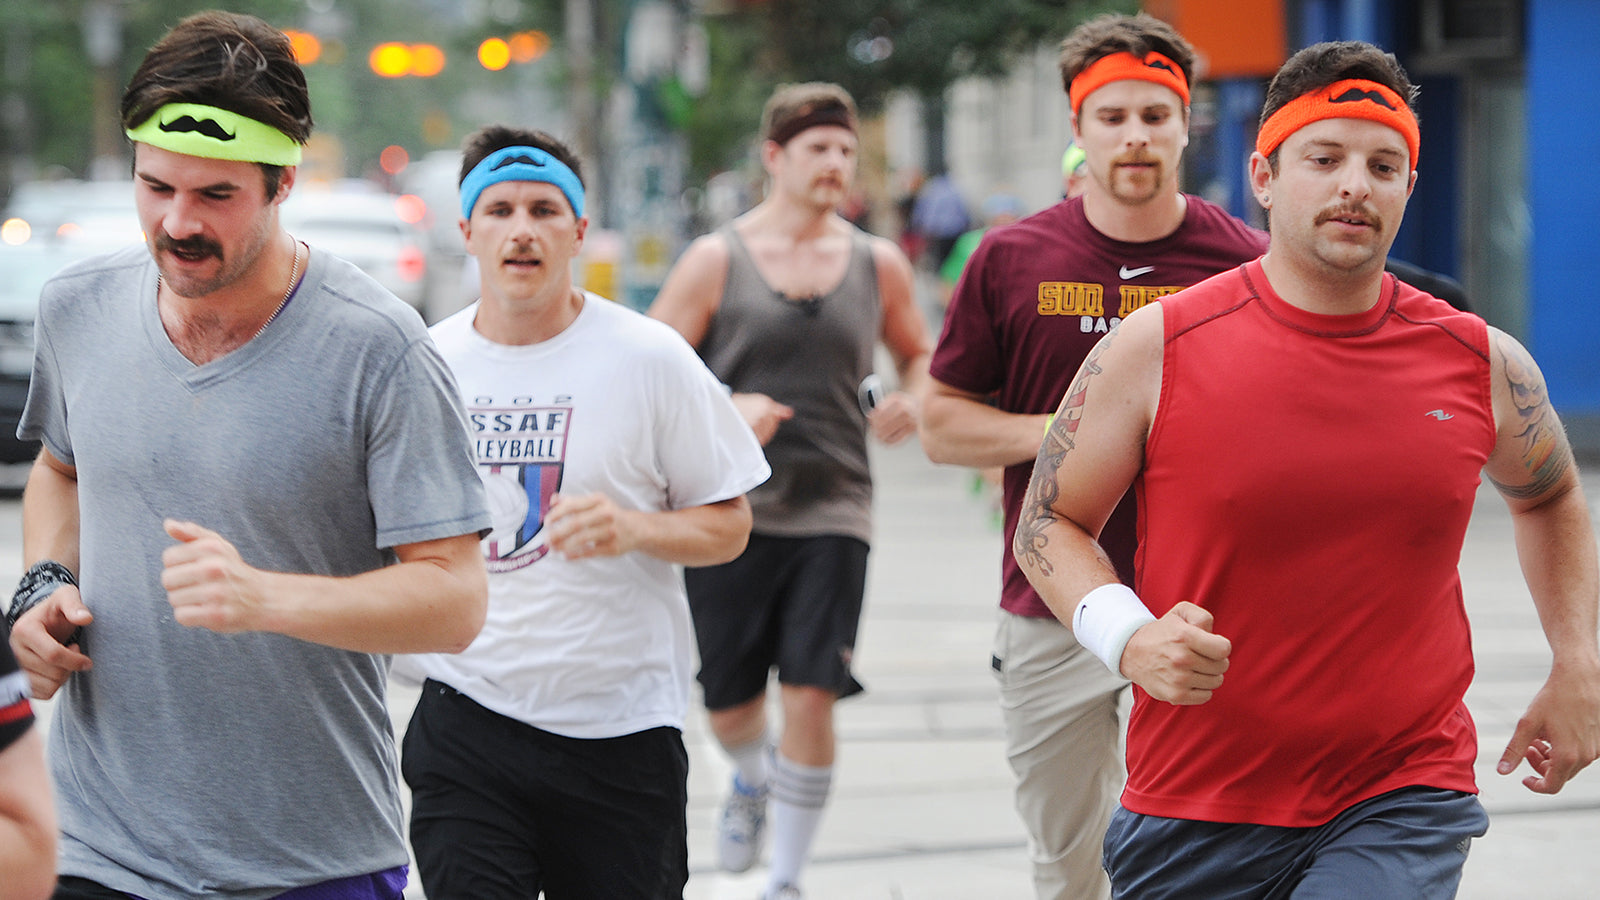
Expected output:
{"points": [[783, 892], [743, 824]]}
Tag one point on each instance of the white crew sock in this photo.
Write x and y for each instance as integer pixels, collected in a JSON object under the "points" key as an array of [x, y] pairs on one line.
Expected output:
{"points": [[798, 795]]}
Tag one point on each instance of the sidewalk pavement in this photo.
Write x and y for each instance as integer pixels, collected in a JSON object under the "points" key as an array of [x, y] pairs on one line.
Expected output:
{"points": [[921, 808]]}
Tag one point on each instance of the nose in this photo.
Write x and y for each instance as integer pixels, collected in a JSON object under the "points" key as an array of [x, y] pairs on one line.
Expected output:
{"points": [[522, 230], [1137, 132], [1355, 181], [180, 220]]}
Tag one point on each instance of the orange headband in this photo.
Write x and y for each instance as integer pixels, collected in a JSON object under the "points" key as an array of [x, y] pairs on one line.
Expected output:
{"points": [[1122, 66], [1353, 98]]}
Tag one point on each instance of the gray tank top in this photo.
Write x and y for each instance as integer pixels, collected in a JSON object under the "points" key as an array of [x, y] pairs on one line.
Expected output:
{"points": [[813, 355]]}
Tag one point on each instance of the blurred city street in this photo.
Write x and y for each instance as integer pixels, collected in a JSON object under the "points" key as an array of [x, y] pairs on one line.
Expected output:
{"points": [[922, 801]]}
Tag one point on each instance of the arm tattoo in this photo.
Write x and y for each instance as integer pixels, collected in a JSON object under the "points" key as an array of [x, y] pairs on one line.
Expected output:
{"points": [[1043, 490], [1541, 444]]}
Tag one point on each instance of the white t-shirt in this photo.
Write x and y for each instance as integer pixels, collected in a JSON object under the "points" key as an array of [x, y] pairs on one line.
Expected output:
{"points": [[617, 404]]}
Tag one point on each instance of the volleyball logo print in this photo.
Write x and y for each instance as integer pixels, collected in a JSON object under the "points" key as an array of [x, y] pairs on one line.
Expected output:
{"points": [[521, 453]]}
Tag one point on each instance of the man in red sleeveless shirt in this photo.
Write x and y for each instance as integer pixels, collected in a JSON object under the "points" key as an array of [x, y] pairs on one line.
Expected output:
{"points": [[1307, 434], [1033, 301]]}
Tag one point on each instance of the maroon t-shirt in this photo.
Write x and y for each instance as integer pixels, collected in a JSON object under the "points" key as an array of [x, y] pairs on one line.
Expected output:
{"points": [[1036, 297]]}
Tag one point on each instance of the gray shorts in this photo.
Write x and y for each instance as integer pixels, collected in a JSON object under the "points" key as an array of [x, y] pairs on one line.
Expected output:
{"points": [[1408, 844]]}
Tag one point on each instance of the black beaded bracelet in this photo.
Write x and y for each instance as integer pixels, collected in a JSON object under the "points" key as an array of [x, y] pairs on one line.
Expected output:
{"points": [[39, 582]]}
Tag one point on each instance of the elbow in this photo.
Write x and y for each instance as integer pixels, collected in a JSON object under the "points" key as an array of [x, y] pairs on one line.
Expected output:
{"points": [[469, 609], [934, 446], [730, 537], [736, 534]]}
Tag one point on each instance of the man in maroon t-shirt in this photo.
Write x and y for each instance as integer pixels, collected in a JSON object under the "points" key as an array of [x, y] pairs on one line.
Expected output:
{"points": [[1035, 297]]}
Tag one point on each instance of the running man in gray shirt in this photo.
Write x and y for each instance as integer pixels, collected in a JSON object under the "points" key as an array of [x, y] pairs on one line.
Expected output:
{"points": [[255, 484]]}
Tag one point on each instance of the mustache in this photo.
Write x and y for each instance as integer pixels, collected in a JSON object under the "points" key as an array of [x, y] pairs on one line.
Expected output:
{"points": [[1350, 210], [1135, 158], [199, 245]]}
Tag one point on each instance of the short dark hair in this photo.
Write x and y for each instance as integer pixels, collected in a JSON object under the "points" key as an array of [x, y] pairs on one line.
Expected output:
{"points": [[1117, 33], [228, 60], [1320, 65], [486, 140]]}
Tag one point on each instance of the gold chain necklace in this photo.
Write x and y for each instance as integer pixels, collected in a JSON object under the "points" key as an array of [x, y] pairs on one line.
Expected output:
{"points": [[294, 272]]}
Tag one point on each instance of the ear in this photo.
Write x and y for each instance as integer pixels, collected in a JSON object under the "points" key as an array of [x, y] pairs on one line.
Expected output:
{"points": [[286, 183], [770, 151], [1411, 185], [1261, 179], [466, 233], [583, 228]]}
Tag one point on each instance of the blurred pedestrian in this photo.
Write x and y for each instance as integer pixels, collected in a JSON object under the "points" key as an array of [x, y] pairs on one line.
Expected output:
{"points": [[1074, 171], [998, 210], [787, 304], [548, 756], [27, 812], [1033, 301], [255, 485], [940, 216], [1308, 435]]}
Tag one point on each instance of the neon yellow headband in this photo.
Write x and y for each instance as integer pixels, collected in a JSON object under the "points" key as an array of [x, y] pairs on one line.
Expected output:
{"points": [[198, 130]]}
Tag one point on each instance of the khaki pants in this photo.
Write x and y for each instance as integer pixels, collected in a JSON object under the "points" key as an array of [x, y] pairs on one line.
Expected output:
{"points": [[1064, 741]]}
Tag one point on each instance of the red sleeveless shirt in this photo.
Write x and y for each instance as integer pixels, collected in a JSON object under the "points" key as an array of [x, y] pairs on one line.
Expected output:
{"points": [[1308, 479]]}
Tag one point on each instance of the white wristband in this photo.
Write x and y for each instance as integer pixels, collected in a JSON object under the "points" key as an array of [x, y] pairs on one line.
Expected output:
{"points": [[1105, 619]]}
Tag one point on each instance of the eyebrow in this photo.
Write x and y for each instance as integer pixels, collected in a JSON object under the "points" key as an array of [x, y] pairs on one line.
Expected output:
{"points": [[210, 188], [1160, 106], [1329, 144]]}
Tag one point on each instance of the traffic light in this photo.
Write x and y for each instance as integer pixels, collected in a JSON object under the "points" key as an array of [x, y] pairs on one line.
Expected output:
{"points": [[307, 47], [496, 53], [396, 60]]}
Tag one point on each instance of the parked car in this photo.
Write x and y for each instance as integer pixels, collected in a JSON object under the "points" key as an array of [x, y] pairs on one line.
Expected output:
{"points": [[375, 231], [46, 226]]}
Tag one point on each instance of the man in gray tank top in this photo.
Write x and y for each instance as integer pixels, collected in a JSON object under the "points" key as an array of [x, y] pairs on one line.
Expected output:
{"points": [[786, 305], [256, 484]]}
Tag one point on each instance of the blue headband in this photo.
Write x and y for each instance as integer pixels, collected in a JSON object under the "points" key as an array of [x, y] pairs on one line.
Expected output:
{"points": [[520, 164]]}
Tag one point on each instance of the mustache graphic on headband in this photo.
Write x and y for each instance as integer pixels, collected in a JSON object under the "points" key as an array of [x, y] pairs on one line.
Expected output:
{"points": [[207, 127], [1356, 95]]}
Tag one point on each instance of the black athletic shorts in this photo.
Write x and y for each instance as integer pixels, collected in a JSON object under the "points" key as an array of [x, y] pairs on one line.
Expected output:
{"points": [[794, 603], [501, 810]]}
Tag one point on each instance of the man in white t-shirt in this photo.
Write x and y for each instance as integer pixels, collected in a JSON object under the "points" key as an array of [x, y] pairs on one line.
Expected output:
{"points": [[549, 755]]}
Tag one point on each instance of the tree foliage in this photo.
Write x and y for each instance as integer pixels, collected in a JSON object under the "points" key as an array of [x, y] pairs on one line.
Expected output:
{"points": [[870, 47]]}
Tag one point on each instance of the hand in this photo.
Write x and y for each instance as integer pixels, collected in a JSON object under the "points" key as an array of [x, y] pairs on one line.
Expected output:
{"points": [[1560, 733], [207, 582], [588, 526], [39, 641], [763, 414], [1177, 658], [895, 418]]}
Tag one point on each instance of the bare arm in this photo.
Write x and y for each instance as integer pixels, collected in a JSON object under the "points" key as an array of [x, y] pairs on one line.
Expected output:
{"points": [[433, 600], [961, 428], [905, 334], [1533, 468], [693, 290], [1090, 457], [27, 821], [592, 525], [689, 299]]}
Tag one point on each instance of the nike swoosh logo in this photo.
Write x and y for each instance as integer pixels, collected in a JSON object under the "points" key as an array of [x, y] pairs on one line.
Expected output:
{"points": [[1125, 273], [1439, 414]]}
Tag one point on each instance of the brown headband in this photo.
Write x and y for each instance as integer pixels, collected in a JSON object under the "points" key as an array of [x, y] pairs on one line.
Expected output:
{"points": [[831, 114]]}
